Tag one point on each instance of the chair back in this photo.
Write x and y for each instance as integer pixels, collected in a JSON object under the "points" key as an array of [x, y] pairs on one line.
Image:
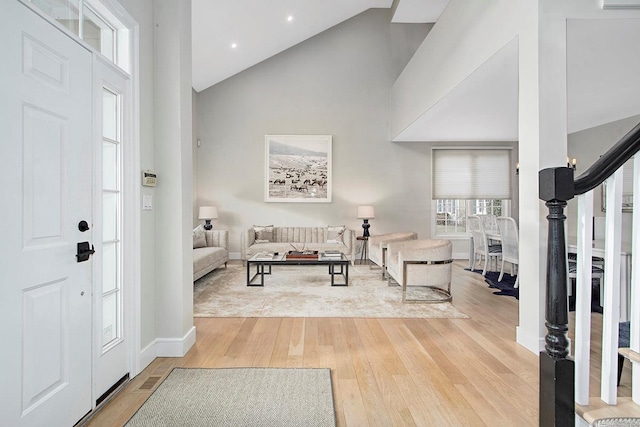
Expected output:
{"points": [[476, 227], [509, 236], [489, 223]]}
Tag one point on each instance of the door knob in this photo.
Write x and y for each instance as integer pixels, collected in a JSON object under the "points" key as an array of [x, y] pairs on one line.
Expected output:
{"points": [[84, 251], [83, 226]]}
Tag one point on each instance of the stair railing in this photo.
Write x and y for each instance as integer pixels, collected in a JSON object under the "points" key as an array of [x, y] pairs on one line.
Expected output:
{"points": [[563, 382]]}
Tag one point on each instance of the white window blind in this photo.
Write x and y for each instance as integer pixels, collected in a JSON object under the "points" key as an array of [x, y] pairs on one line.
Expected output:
{"points": [[471, 173]]}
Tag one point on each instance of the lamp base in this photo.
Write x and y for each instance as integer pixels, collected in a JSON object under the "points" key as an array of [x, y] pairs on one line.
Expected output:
{"points": [[366, 226], [207, 225]]}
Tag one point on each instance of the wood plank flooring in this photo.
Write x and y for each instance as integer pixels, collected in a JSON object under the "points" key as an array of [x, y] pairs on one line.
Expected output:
{"points": [[385, 372]]}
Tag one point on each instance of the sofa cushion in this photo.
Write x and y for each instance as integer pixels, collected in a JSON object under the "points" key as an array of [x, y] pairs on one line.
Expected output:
{"points": [[264, 233], [335, 234], [199, 239]]}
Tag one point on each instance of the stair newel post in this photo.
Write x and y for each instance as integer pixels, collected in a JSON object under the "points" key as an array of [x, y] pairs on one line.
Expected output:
{"points": [[557, 407]]}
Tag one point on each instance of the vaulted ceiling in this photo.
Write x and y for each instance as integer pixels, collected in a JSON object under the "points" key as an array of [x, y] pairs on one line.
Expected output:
{"points": [[231, 36]]}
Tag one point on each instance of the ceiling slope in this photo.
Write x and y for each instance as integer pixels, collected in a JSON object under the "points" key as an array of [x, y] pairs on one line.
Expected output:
{"points": [[259, 30], [483, 107]]}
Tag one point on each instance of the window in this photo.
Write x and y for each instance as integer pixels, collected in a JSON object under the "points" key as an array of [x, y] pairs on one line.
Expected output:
{"points": [[111, 218], [468, 181], [451, 214], [93, 22]]}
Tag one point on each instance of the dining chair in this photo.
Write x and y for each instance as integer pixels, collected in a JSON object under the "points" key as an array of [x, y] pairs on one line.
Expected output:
{"points": [[509, 238], [489, 222], [481, 247]]}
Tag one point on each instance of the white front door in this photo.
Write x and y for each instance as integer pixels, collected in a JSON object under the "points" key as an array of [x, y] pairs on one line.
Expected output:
{"points": [[46, 175]]}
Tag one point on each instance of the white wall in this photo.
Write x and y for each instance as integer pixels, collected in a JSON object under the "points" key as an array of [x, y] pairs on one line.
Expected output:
{"points": [[335, 83], [467, 34]]}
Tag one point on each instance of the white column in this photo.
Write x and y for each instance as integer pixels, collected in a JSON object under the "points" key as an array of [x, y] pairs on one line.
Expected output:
{"points": [[173, 135], [542, 144]]}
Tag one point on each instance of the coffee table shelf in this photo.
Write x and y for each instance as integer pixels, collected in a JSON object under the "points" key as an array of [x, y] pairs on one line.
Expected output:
{"points": [[338, 266]]}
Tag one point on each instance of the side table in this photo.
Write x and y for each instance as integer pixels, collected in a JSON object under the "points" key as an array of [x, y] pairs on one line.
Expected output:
{"points": [[364, 249]]}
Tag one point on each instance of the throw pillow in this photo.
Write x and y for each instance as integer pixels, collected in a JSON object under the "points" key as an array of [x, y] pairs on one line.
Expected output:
{"points": [[264, 233], [335, 234], [199, 239]]}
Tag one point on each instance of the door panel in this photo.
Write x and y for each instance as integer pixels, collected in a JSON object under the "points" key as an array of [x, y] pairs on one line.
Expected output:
{"points": [[44, 139], [46, 168]]}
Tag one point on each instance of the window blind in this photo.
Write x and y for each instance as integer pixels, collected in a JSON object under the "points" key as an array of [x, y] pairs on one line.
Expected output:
{"points": [[471, 173]]}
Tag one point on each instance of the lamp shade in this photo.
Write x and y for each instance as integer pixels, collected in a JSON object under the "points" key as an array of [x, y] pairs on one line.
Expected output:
{"points": [[366, 212], [208, 212]]}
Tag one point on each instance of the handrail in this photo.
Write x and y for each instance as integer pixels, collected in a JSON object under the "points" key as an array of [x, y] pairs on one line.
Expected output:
{"points": [[557, 186], [610, 162]]}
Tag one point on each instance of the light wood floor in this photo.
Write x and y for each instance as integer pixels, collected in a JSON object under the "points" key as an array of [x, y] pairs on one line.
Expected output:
{"points": [[385, 372]]}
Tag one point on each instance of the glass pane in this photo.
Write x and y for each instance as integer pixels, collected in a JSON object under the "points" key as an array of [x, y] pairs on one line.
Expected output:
{"points": [[109, 267], [63, 11], [450, 217], [110, 115], [109, 318], [109, 166], [109, 216], [98, 33]]}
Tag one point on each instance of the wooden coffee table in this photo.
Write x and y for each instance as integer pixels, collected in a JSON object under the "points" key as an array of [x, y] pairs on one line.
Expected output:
{"points": [[338, 266]]}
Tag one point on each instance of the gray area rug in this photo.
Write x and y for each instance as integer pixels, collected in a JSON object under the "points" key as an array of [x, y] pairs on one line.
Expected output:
{"points": [[306, 291], [240, 397]]}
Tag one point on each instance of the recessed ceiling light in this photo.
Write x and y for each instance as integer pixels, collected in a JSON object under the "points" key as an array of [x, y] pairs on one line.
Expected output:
{"points": [[234, 45], [290, 18]]}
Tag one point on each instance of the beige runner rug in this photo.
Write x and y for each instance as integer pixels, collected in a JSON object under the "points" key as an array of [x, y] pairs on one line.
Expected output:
{"points": [[305, 291]]}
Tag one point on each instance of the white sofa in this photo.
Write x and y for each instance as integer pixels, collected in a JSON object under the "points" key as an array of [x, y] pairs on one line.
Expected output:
{"points": [[284, 239], [211, 256]]}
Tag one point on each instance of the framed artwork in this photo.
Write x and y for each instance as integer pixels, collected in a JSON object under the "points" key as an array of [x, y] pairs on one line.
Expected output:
{"points": [[297, 168]]}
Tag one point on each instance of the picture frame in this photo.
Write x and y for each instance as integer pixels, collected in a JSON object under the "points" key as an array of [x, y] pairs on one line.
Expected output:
{"points": [[298, 168]]}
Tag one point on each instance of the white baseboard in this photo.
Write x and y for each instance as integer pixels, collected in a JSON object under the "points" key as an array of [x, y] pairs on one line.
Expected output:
{"points": [[147, 355], [234, 255], [461, 255], [167, 347]]}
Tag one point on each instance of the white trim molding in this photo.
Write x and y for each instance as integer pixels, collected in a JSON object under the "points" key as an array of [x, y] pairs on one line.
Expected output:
{"points": [[167, 347]]}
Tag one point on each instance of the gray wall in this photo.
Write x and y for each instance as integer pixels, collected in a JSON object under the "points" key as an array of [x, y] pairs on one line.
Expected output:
{"points": [[336, 83]]}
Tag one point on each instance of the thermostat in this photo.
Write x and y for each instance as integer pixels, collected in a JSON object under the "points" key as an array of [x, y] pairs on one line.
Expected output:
{"points": [[148, 179]]}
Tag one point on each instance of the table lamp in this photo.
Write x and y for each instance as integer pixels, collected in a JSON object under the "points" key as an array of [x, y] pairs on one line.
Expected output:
{"points": [[366, 213], [208, 213]]}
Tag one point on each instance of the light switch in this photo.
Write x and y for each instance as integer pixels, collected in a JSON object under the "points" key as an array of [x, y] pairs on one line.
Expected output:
{"points": [[147, 202]]}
